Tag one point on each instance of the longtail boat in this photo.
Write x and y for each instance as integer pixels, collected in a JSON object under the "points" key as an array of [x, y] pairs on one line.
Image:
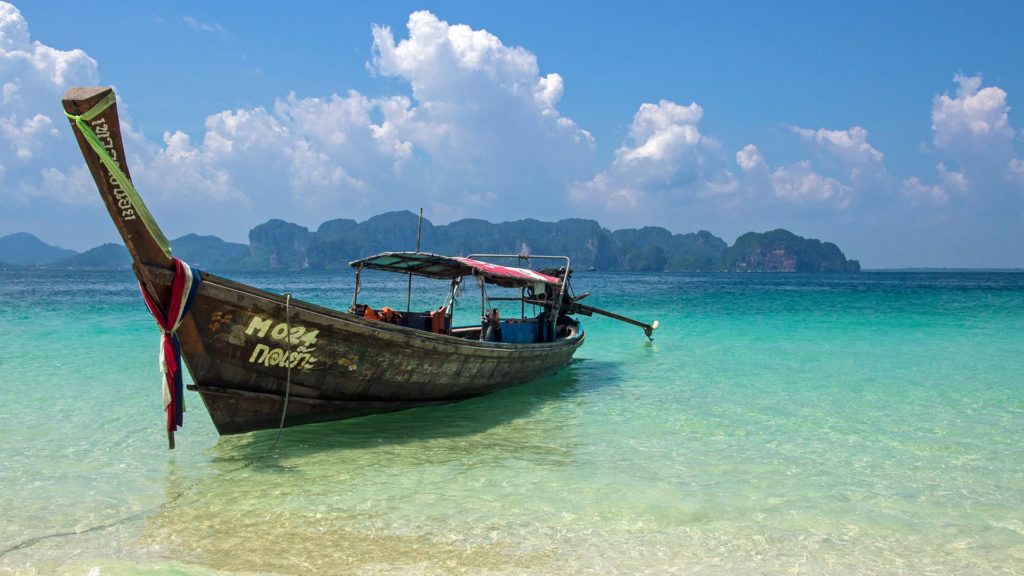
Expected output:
{"points": [[264, 360]]}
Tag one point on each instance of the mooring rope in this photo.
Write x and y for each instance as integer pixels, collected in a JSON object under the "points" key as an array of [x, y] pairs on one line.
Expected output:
{"points": [[288, 367]]}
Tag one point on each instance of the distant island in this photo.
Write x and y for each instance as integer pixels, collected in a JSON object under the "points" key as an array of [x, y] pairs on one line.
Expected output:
{"points": [[280, 245]]}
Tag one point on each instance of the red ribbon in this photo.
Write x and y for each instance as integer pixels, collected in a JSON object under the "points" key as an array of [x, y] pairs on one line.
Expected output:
{"points": [[183, 289]]}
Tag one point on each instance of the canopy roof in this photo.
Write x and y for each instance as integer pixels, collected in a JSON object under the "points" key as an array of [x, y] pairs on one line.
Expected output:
{"points": [[436, 266]]}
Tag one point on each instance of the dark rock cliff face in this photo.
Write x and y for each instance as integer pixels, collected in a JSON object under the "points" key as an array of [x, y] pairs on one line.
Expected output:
{"points": [[335, 241], [277, 244], [656, 249], [782, 251]]}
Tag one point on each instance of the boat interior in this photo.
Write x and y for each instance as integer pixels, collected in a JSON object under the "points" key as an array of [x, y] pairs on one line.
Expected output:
{"points": [[507, 330]]}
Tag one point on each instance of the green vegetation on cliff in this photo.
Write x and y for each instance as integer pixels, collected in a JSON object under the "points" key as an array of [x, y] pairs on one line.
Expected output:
{"points": [[782, 251], [281, 245]]}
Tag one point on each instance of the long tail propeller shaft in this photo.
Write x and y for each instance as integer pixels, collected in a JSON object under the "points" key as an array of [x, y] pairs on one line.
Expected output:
{"points": [[648, 328]]}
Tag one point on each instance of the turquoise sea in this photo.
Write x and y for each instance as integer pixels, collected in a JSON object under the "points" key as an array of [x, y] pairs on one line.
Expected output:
{"points": [[779, 424]]}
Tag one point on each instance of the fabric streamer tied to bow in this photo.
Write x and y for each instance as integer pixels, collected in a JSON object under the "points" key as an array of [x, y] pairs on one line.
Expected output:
{"points": [[183, 290]]}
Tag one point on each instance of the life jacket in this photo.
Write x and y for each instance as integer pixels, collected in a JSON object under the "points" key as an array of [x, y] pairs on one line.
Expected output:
{"points": [[437, 320], [371, 314], [390, 316]]}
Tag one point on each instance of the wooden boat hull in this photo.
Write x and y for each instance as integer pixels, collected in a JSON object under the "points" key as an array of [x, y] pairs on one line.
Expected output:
{"points": [[240, 344]]}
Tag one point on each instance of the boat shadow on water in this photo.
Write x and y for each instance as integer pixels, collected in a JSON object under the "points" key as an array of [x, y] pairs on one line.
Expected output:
{"points": [[375, 494], [562, 392], [335, 468]]}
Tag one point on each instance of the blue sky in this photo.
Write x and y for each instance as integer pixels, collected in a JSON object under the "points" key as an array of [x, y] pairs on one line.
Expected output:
{"points": [[891, 129]]}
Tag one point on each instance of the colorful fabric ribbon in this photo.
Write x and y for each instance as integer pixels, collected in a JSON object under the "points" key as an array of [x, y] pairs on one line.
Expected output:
{"points": [[183, 290]]}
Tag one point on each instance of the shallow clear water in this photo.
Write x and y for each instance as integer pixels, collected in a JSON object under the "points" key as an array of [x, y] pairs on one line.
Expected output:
{"points": [[779, 424]]}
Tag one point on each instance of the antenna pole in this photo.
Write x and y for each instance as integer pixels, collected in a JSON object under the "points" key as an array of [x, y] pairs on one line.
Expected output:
{"points": [[419, 235], [419, 230]]}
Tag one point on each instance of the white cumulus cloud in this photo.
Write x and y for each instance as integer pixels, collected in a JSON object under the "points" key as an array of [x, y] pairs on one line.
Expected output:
{"points": [[484, 116], [845, 167], [847, 154], [667, 158], [749, 158], [1016, 170], [306, 159], [799, 183], [975, 118], [28, 136], [850, 146], [971, 130], [34, 148], [950, 183]]}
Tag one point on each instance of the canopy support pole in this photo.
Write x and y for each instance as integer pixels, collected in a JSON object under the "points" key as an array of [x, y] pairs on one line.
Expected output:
{"points": [[355, 293], [419, 233]]}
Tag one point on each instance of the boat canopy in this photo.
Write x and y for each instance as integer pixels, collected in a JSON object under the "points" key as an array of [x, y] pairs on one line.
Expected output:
{"points": [[442, 267]]}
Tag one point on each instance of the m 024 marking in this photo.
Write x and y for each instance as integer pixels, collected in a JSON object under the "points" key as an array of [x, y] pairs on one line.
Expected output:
{"points": [[260, 326], [300, 357]]}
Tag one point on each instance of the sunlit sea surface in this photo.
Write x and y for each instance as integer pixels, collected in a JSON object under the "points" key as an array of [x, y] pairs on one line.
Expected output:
{"points": [[779, 424]]}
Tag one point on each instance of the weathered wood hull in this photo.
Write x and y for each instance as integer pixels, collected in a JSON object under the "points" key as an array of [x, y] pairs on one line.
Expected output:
{"points": [[240, 344]]}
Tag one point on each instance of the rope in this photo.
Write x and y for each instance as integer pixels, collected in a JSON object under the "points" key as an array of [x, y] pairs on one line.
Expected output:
{"points": [[81, 121], [288, 366]]}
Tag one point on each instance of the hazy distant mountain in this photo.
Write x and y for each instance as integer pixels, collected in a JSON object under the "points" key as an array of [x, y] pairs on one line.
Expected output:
{"points": [[280, 245], [204, 252], [24, 249], [104, 257], [209, 252]]}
